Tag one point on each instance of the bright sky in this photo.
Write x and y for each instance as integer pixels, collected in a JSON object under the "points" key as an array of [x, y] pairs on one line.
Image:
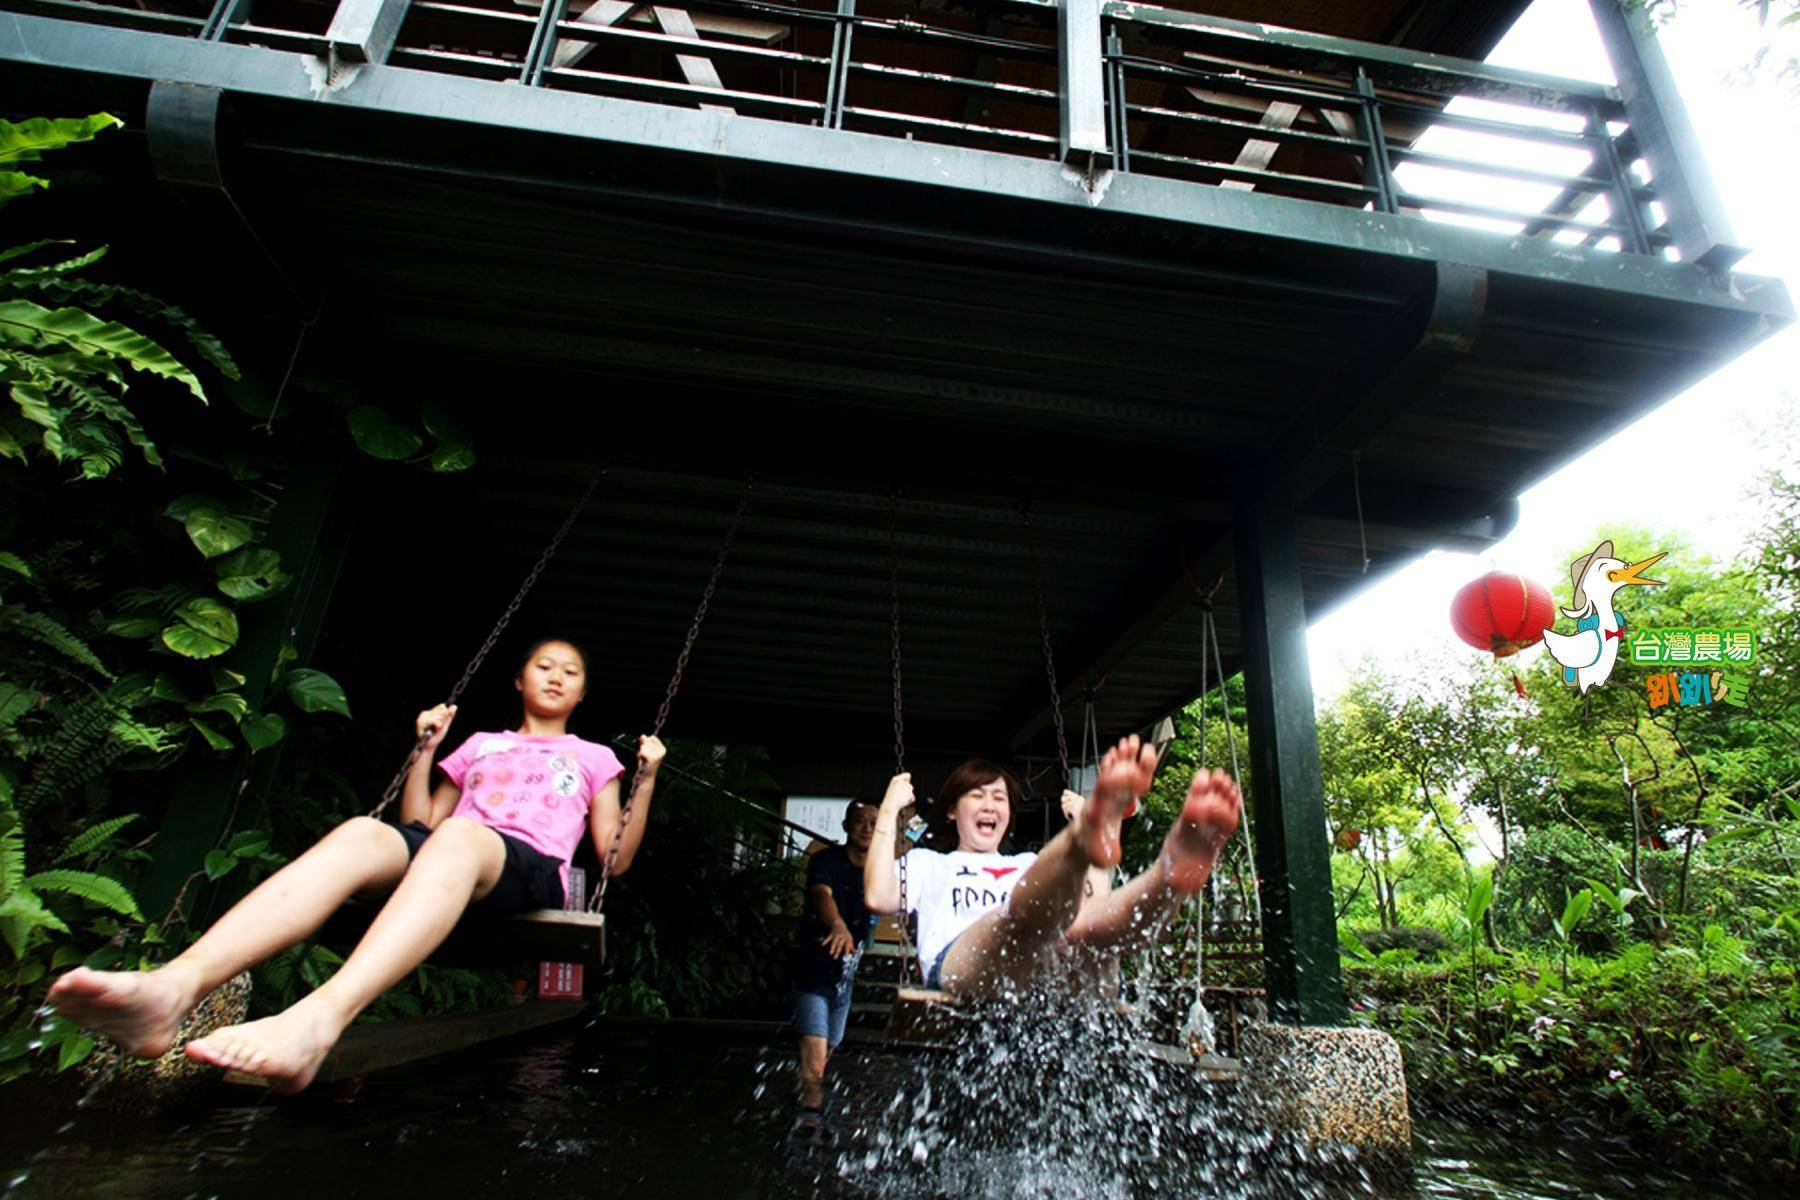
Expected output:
{"points": [[1710, 442]]}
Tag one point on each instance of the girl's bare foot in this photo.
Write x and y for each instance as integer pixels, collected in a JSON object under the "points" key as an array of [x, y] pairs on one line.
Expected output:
{"points": [[1125, 774], [286, 1049], [1207, 822], [139, 1010]]}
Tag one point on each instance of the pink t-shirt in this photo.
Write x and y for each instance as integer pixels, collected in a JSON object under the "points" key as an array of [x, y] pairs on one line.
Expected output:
{"points": [[537, 789]]}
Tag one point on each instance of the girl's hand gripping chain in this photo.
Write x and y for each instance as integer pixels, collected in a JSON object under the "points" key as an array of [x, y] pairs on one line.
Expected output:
{"points": [[432, 725]]}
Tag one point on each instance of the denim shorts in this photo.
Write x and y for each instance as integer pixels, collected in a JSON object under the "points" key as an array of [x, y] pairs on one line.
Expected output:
{"points": [[821, 1012], [934, 975]]}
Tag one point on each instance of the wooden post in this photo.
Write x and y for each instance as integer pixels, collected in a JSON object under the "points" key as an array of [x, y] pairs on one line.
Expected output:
{"points": [[1293, 851]]}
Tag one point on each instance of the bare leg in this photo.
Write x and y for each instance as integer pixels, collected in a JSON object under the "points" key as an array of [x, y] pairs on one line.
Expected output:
{"points": [[1003, 951], [1129, 918], [814, 1054], [141, 1010], [458, 864]]}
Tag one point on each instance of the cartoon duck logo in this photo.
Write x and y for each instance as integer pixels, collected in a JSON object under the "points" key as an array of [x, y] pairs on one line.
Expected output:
{"points": [[1587, 655]]}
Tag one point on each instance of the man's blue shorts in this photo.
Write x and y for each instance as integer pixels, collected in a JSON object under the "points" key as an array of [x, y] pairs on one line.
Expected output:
{"points": [[821, 1012]]}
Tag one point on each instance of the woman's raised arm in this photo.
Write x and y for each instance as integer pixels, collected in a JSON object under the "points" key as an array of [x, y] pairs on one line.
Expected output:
{"points": [[881, 889]]}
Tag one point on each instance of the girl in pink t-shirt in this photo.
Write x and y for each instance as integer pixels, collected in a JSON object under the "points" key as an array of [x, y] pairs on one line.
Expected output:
{"points": [[497, 832]]}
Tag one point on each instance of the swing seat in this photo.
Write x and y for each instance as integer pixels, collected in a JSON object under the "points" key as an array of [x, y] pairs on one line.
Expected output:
{"points": [[541, 935], [922, 1017]]}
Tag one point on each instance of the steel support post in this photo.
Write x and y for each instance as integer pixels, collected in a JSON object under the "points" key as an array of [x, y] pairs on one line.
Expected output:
{"points": [[1293, 851], [1659, 122], [363, 31], [1083, 78]]}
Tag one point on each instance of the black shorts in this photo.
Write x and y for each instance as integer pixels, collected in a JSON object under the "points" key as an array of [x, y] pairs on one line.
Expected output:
{"points": [[529, 879]]}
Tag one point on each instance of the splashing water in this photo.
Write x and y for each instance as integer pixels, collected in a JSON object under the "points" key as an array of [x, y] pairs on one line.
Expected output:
{"points": [[1047, 1095]]}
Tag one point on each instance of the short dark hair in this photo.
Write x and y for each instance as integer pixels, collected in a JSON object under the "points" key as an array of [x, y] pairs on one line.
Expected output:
{"points": [[859, 802], [532, 650], [976, 773]]}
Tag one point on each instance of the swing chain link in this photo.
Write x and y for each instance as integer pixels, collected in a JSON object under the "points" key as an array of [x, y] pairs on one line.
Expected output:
{"points": [[398, 782], [894, 630], [908, 954], [1043, 615], [662, 713]]}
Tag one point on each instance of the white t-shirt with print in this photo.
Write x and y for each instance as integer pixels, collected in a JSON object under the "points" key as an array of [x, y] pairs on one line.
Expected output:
{"points": [[950, 892]]}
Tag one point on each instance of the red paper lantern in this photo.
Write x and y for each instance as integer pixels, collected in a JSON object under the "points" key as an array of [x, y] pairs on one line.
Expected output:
{"points": [[1502, 613]]}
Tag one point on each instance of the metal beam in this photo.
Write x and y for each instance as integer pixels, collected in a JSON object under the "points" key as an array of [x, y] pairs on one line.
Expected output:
{"points": [[182, 125], [1696, 214], [1394, 66], [474, 107], [1083, 78], [1323, 448], [1293, 853], [363, 31]]}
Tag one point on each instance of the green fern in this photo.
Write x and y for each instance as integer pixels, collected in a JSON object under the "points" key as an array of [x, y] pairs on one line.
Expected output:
{"points": [[36, 627], [81, 751], [85, 291], [102, 890], [34, 326], [93, 837], [21, 915]]}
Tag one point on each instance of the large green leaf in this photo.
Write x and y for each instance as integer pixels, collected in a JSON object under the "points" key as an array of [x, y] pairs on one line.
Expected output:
{"points": [[14, 184], [214, 533], [315, 691], [251, 574], [377, 435], [214, 738], [440, 424], [28, 276], [12, 562], [212, 617], [26, 141], [262, 732], [88, 334], [452, 456], [203, 628], [218, 863], [229, 703]]}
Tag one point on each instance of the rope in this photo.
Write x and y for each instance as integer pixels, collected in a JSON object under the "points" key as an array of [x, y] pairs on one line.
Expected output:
{"points": [[1043, 615], [398, 782], [1362, 532], [662, 712]]}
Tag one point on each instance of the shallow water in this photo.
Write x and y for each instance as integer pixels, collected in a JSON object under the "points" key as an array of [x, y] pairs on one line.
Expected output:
{"points": [[678, 1111]]}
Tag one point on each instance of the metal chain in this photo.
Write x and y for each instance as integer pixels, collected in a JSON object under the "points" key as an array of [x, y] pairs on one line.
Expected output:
{"points": [[894, 630], [1209, 635], [1043, 614], [909, 955], [662, 713], [398, 782]]}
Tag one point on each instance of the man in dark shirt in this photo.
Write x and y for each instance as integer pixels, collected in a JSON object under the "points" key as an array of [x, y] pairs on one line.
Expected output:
{"points": [[834, 927]]}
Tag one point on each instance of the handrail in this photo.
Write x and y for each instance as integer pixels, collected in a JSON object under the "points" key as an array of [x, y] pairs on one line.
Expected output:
{"points": [[1098, 85]]}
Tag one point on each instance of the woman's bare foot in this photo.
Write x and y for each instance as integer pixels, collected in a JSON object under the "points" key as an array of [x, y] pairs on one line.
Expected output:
{"points": [[139, 1010], [1207, 822], [286, 1049], [1125, 774]]}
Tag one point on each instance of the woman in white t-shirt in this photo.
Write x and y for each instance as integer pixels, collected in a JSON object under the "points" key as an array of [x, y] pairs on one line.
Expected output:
{"points": [[991, 923]]}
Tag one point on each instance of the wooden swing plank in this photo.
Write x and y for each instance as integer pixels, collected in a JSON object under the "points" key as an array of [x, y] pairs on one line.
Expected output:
{"points": [[366, 1048], [541, 935], [922, 1017]]}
